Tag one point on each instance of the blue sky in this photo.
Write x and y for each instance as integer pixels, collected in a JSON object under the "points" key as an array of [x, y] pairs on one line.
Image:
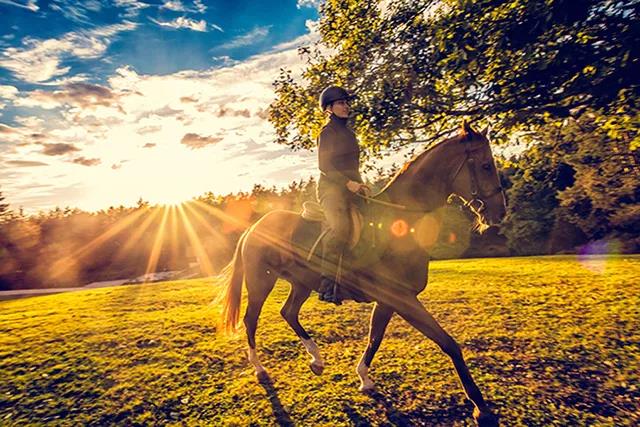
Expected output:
{"points": [[99, 99]]}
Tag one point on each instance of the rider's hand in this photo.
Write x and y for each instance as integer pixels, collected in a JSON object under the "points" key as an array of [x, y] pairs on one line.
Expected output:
{"points": [[364, 189], [353, 186]]}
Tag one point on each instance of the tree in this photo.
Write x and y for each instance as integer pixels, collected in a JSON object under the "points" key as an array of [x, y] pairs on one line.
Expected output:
{"points": [[418, 66], [574, 184], [4, 209], [604, 201]]}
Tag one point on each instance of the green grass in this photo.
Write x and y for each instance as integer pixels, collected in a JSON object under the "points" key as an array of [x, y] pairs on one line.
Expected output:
{"points": [[549, 341]]}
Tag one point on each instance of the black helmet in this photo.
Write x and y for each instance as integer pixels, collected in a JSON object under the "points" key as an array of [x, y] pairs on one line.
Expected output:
{"points": [[331, 94]]}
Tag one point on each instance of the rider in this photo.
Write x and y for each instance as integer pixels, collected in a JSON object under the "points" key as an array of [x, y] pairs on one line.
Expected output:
{"points": [[339, 160]]}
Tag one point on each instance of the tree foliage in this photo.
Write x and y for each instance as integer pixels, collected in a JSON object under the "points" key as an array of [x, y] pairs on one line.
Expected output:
{"points": [[575, 183], [418, 66]]}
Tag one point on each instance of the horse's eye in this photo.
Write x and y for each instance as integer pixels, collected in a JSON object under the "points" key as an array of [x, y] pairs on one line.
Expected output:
{"points": [[486, 166]]}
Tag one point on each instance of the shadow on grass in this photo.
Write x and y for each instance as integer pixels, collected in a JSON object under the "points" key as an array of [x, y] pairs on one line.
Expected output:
{"points": [[451, 413], [281, 415], [394, 416]]}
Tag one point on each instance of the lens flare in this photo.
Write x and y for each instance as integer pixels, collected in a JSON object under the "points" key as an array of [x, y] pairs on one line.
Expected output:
{"points": [[595, 255], [399, 228]]}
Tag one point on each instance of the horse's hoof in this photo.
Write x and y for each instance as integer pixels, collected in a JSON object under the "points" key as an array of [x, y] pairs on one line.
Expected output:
{"points": [[367, 388], [316, 368], [485, 418], [263, 376]]}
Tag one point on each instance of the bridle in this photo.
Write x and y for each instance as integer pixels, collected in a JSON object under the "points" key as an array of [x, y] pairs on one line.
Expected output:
{"points": [[477, 202]]}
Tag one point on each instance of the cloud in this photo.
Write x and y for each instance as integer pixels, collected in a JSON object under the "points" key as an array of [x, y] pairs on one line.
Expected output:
{"points": [[183, 22], [76, 11], [149, 145], [165, 111], [131, 7], [309, 3], [250, 38], [7, 129], [199, 6], [58, 149], [81, 95], [193, 140], [78, 78], [25, 163], [224, 111], [118, 165], [176, 6], [8, 92], [29, 4], [86, 162], [41, 60], [225, 60], [148, 129]]}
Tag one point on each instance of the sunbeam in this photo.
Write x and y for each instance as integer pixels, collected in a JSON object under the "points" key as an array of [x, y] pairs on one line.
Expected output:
{"points": [[156, 249], [137, 235], [201, 254], [60, 266]]}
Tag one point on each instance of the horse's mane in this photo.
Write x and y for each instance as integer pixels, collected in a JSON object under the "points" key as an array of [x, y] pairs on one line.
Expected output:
{"points": [[416, 159]]}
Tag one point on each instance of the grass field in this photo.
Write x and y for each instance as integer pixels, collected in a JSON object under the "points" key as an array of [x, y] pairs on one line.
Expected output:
{"points": [[549, 340]]}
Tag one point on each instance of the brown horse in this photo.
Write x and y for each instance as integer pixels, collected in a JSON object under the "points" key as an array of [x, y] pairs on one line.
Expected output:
{"points": [[396, 273]]}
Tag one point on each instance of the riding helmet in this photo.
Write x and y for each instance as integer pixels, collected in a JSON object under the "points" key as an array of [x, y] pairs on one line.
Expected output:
{"points": [[332, 94]]}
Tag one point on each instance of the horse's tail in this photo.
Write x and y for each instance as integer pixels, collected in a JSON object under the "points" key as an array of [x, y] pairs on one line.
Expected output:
{"points": [[233, 274]]}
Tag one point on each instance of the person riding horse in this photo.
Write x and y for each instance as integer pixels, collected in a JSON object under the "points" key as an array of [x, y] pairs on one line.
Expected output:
{"points": [[340, 180]]}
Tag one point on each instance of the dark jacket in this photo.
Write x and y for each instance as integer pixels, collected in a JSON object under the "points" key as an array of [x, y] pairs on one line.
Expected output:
{"points": [[338, 156]]}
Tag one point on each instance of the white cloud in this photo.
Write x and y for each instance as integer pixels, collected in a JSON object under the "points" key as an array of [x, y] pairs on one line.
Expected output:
{"points": [[8, 92], [29, 4], [199, 6], [250, 38], [175, 5], [76, 10], [183, 22], [179, 6], [131, 7], [309, 3], [40, 60]]}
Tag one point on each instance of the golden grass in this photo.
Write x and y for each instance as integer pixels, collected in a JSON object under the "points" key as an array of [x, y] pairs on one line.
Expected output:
{"points": [[550, 341]]}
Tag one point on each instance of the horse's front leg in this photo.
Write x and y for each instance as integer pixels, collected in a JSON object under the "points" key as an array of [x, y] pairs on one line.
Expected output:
{"points": [[414, 312], [380, 317]]}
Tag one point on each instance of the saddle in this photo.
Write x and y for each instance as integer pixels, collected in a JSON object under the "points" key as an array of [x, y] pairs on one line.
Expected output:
{"points": [[312, 211]]}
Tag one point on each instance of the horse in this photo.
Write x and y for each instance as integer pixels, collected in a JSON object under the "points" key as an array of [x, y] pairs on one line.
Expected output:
{"points": [[460, 166]]}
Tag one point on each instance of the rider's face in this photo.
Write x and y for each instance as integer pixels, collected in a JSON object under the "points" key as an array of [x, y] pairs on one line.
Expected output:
{"points": [[341, 108]]}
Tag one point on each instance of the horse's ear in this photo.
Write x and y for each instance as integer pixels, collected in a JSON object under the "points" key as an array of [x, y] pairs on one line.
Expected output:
{"points": [[465, 130], [484, 132]]}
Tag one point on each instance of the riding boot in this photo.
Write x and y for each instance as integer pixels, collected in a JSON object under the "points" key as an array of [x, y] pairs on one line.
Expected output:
{"points": [[331, 268]]}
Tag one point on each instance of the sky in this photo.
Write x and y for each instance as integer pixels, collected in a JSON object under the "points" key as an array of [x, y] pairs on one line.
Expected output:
{"points": [[103, 102]]}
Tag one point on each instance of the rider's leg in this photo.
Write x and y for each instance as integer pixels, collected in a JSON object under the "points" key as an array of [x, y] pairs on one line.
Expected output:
{"points": [[336, 209]]}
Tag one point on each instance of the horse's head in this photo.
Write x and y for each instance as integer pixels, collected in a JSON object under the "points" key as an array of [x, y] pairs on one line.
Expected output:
{"points": [[474, 177]]}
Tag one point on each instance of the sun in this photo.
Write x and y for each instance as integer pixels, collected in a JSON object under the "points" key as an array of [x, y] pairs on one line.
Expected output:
{"points": [[168, 199]]}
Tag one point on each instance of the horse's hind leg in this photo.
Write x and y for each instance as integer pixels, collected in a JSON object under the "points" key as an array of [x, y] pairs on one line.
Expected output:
{"points": [[259, 282], [415, 313], [290, 310], [380, 317]]}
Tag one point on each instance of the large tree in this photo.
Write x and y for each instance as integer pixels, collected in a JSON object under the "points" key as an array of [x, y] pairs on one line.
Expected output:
{"points": [[4, 208], [417, 66]]}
